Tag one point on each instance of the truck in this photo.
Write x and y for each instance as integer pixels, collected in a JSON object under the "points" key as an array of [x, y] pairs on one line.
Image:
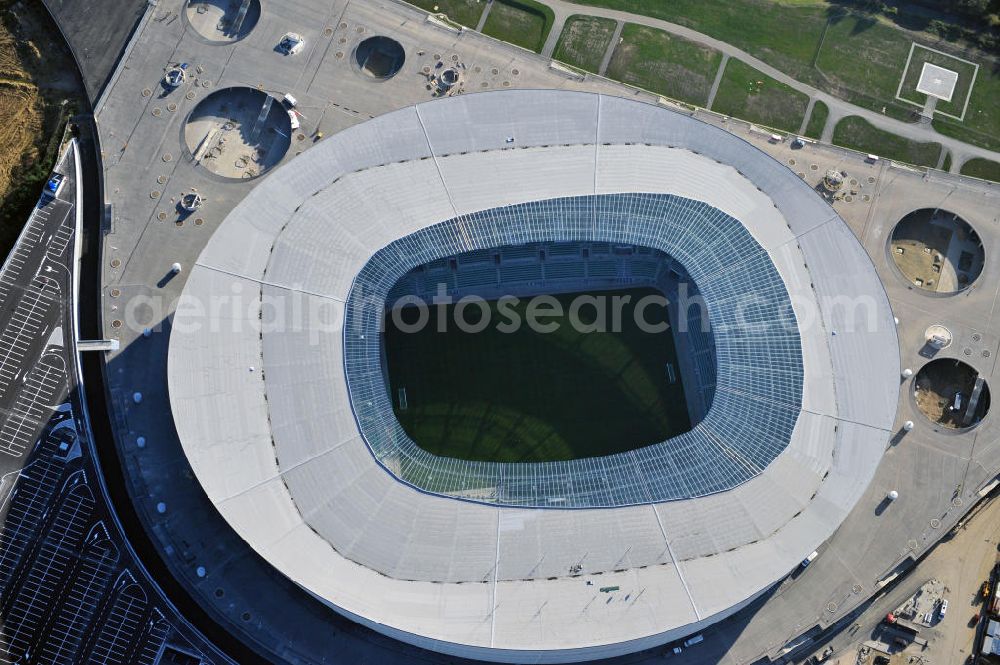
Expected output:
{"points": [[691, 641], [809, 559]]}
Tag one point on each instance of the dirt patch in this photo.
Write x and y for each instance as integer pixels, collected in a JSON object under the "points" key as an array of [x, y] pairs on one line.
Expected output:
{"points": [[39, 90], [21, 112], [935, 390]]}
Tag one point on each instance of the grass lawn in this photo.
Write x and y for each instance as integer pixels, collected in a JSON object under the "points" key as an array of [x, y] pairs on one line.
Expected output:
{"points": [[790, 32], [982, 120], [662, 63], [817, 121], [525, 23], [584, 40], [861, 59], [854, 56], [859, 134], [982, 168], [747, 94], [964, 70], [465, 12], [526, 396]]}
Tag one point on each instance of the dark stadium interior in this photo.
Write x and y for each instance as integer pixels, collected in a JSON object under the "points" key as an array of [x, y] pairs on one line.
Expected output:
{"points": [[548, 351]]}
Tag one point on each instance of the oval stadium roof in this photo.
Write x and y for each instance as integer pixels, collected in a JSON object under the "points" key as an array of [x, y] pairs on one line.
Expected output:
{"points": [[303, 460]]}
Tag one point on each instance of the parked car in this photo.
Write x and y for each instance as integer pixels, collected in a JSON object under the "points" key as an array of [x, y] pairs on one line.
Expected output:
{"points": [[54, 185]]}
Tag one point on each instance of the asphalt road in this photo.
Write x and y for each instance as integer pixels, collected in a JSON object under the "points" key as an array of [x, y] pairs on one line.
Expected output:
{"points": [[96, 45], [960, 564]]}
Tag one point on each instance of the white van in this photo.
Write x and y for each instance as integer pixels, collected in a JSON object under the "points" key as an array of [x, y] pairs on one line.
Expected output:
{"points": [[694, 640]]}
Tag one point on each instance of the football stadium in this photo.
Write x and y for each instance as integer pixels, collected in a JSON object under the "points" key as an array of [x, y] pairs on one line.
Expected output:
{"points": [[469, 492]]}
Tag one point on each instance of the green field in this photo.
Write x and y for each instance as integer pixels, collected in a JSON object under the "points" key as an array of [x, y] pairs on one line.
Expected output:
{"points": [[965, 71], [524, 23], [583, 41], [861, 59], [859, 134], [747, 94], [526, 396], [671, 66], [817, 120], [858, 57], [982, 168], [464, 12], [982, 121]]}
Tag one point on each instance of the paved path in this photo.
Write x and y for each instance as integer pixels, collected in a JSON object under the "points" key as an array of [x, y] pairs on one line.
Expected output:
{"points": [[717, 81], [805, 119], [940, 161], [615, 38], [833, 117], [839, 108], [486, 12], [557, 27]]}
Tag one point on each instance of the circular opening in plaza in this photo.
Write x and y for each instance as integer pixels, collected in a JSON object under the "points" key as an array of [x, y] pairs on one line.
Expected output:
{"points": [[380, 57], [238, 133], [937, 251], [951, 393], [222, 21]]}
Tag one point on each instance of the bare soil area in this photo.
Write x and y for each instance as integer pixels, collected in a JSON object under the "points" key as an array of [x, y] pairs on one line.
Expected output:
{"points": [[39, 90], [936, 386]]}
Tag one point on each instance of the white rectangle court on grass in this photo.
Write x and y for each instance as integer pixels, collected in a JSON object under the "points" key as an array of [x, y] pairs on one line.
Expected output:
{"points": [[939, 81]]}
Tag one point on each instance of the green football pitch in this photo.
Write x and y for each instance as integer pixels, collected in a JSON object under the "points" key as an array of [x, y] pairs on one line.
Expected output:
{"points": [[527, 396]]}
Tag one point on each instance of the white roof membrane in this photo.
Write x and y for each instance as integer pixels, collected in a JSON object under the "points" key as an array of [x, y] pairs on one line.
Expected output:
{"points": [[280, 453]]}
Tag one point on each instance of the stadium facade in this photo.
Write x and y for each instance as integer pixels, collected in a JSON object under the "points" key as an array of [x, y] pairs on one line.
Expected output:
{"points": [[290, 430]]}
